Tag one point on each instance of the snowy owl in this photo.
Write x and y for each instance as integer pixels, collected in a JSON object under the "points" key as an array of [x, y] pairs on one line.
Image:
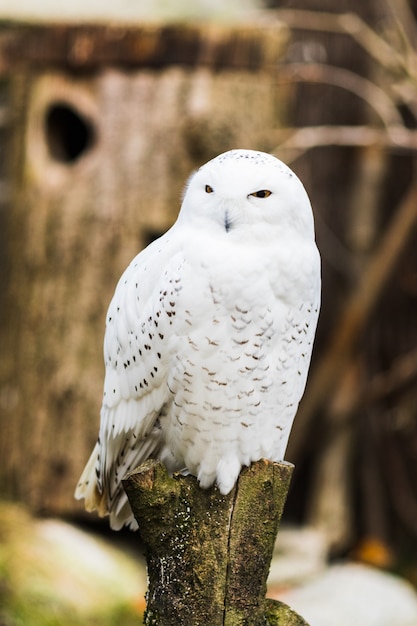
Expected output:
{"points": [[209, 334]]}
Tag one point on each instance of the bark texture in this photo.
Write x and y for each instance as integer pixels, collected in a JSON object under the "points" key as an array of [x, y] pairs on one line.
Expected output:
{"points": [[208, 555]]}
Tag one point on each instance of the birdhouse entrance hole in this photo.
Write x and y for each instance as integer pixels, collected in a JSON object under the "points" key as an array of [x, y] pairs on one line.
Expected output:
{"points": [[68, 133]]}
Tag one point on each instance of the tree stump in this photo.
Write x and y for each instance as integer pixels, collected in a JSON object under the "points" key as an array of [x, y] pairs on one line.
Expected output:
{"points": [[208, 555]]}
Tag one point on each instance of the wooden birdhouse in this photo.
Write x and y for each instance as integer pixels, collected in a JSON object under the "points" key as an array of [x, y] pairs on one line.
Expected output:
{"points": [[103, 127]]}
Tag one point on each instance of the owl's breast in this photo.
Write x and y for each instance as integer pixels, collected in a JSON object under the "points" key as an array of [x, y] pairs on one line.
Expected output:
{"points": [[238, 369]]}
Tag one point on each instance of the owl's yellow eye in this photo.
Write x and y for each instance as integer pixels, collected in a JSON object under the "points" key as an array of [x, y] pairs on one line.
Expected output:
{"points": [[209, 189], [263, 193]]}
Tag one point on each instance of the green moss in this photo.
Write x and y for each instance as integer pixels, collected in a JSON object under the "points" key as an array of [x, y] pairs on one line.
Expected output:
{"points": [[36, 611], [43, 582], [208, 554], [279, 614]]}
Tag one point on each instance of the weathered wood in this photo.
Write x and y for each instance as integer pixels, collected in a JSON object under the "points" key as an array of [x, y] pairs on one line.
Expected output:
{"points": [[208, 555], [249, 46]]}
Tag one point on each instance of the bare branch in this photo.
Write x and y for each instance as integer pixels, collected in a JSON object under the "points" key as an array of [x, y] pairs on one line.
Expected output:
{"points": [[349, 24], [302, 139], [407, 30], [373, 95], [346, 335], [400, 376]]}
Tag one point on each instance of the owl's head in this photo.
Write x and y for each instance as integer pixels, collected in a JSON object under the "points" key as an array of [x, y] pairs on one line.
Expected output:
{"points": [[247, 191]]}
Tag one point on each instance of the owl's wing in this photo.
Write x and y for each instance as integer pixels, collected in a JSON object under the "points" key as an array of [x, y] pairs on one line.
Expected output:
{"points": [[136, 359]]}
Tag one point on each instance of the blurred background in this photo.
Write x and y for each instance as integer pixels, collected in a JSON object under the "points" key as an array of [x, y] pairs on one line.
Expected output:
{"points": [[105, 109]]}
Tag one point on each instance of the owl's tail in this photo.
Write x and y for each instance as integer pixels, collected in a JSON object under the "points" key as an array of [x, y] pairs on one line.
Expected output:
{"points": [[106, 496], [87, 487]]}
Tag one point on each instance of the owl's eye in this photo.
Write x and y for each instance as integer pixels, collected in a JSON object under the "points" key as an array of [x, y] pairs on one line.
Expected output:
{"points": [[263, 193], [209, 189]]}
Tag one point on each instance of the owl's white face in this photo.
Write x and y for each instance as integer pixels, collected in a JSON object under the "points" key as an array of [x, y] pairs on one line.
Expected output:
{"points": [[244, 189]]}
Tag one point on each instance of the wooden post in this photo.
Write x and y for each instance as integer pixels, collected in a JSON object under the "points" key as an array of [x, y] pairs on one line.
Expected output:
{"points": [[208, 555]]}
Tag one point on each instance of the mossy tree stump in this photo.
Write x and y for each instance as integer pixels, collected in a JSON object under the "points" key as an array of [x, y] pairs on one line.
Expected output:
{"points": [[208, 555]]}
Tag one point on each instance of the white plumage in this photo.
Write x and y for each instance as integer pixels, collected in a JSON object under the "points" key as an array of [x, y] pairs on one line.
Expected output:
{"points": [[209, 333]]}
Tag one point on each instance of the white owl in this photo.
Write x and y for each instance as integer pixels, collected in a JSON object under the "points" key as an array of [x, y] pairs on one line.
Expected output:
{"points": [[209, 334]]}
